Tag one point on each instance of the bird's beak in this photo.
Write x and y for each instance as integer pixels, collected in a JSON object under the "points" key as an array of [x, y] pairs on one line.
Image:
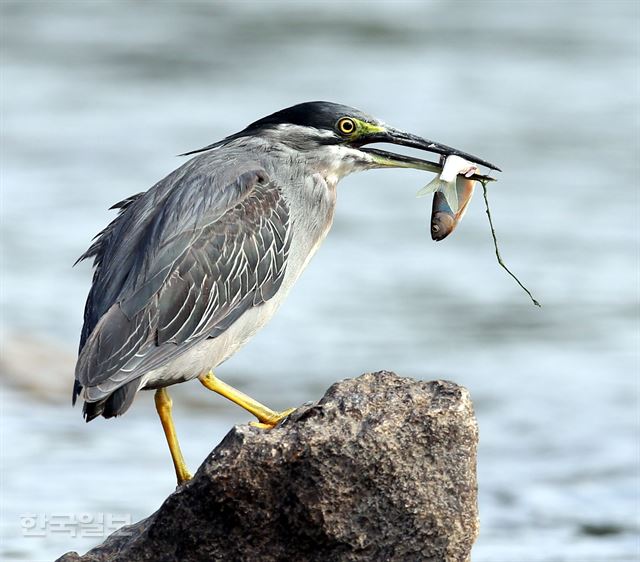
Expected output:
{"points": [[384, 158]]}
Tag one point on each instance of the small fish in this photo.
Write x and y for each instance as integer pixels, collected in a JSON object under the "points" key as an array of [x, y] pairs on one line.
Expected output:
{"points": [[443, 219], [452, 190]]}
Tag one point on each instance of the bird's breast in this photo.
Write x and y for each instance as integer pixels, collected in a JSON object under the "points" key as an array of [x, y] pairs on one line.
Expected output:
{"points": [[312, 209]]}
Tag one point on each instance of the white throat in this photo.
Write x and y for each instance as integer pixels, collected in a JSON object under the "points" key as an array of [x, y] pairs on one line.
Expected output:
{"points": [[338, 161]]}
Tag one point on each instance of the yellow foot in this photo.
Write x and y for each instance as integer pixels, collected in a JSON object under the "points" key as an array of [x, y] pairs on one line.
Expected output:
{"points": [[184, 477], [274, 420]]}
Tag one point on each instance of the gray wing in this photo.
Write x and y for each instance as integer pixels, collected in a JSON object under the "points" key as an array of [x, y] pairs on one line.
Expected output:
{"points": [[205, 256]]}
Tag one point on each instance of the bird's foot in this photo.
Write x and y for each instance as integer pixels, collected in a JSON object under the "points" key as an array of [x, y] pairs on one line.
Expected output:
{"points": [[272, 421], [182, 474], [184, 477]]}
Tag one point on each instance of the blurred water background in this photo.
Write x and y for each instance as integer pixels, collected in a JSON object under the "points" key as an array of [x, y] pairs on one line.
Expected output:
{"points": [[98, 97]]}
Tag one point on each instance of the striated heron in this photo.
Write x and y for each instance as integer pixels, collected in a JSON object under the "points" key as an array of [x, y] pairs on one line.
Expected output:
{"points": [[191, 269]]}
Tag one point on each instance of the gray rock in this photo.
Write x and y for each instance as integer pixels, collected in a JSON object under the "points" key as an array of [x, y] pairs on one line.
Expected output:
{"points": [[381, 468]]}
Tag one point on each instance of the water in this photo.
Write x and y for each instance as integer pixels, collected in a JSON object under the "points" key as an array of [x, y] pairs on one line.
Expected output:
{"points": [[98, 96]]}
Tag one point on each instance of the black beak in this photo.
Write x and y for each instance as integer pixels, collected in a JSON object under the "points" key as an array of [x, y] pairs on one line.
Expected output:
{"points": [[395, 136]]}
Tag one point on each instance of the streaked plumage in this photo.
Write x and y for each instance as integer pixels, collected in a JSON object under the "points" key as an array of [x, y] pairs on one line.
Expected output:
{"points": [[183, 262]]}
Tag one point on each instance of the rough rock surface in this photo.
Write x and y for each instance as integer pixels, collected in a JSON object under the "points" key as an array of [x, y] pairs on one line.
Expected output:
{"points": [[381, 468]]}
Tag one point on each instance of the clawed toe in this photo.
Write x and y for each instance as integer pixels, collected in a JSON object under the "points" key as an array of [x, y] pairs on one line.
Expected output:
{"points": [[274, 420]]}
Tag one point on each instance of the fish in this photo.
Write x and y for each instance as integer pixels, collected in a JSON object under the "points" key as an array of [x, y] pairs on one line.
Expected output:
{"points": [[443, 219], [452, 190]]}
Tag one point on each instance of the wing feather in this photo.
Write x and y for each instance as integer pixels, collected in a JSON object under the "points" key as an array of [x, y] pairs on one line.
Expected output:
{"points": [[199, 255]]}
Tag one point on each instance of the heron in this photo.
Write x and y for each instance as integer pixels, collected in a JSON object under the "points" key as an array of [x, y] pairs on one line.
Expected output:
{"points": [[191, 269]]}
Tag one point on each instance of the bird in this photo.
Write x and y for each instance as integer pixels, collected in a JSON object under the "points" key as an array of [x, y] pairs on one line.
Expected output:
{"points": [[192, 268]]}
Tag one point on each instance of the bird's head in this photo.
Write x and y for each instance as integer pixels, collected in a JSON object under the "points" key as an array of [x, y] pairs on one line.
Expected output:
{"points": [[342, 134]]}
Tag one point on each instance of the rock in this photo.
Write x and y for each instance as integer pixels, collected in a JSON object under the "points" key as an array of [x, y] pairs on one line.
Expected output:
{"points": [[381, 468]]}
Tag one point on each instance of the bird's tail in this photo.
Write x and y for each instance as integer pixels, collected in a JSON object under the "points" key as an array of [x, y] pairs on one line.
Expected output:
{"points": [[115, 404]]}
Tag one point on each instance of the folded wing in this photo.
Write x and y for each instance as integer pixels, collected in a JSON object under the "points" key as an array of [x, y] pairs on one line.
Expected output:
{"points": [[180, 264]]}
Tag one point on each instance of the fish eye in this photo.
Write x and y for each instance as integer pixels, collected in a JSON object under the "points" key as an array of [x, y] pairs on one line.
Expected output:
{"points": [[346, 125]]}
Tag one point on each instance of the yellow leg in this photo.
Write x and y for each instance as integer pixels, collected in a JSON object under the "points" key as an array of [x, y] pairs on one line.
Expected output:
{"points": [[163, 406], [267, 418]]}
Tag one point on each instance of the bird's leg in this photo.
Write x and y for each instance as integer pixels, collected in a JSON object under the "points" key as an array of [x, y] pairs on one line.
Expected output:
{"points": [[163, 406], [267, 418]]}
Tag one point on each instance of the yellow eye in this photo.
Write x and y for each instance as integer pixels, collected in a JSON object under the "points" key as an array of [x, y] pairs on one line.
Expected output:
{"points": [[346, 125]]}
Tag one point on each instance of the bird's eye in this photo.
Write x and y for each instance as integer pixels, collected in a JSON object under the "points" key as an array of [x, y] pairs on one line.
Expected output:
{"points": [[346, 125]]}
